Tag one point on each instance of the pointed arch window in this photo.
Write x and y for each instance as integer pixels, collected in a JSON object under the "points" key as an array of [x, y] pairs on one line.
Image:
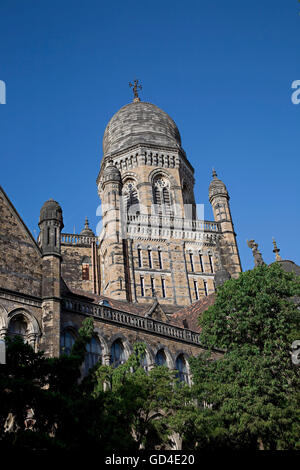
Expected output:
{"points": [[18, 327], [117, 353], [181, 367], [162, 195], [130, 197], [145, 363], [93, 353], [67, 339], [160, 358]]}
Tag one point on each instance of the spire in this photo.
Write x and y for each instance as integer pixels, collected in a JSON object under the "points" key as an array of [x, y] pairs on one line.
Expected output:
{"points": [[214, 173], [276, 251], [86, 224]]}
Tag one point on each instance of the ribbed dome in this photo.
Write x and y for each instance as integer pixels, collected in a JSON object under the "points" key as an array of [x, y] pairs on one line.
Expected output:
{"points": [[51, 210], [111, 173], [140, 123]]}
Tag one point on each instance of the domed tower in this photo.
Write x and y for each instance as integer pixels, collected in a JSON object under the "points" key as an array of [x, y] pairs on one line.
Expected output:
{"points": [[145, 166], [219, 199], [144, 144], [152, 246], [51, 224]]}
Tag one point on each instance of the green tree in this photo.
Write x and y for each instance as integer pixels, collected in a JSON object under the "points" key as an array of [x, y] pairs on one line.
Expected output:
{"points": [[121, 408], [144, 403], [63, 416], [252, 392]]}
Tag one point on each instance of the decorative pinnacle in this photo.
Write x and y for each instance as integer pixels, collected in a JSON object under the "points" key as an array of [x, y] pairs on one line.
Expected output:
{"points": [[135, 88], [86, 224], [276, 251], [258, 260], [214, 173]]}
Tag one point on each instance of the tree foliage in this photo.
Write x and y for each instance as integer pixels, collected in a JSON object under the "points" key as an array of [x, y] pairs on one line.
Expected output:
{"points": [[253, 390], [47, 404], [246, 399]]}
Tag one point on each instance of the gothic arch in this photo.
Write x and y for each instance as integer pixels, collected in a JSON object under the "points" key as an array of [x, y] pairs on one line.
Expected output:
{"points": [[169, 356], [130, 195], [150, 354], [125, 342], [160, 171], [162, 194], [33, 325], [185, 376], [33, 330], [103, 341], [129, 175], [185, 356], [71, 326]]}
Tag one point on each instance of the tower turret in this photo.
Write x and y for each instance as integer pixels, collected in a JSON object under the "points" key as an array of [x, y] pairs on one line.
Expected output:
{"points": [[114, 262], [51, 224], [219, 199]]}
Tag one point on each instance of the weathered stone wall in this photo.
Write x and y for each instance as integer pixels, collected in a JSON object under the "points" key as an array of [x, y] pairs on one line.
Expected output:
{"points": [[20, 257], [71, 266]]}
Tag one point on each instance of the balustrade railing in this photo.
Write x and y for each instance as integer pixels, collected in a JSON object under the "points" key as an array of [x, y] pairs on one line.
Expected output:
{"points": [[128, 319], [75, 239], [179, 223], [154, 226]]}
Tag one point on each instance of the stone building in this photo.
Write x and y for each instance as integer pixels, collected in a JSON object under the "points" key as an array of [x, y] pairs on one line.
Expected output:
{"points": [[149, 273]]}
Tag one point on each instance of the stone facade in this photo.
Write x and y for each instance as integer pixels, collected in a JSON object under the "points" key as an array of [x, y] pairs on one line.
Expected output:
{"points": [[149, 273]]}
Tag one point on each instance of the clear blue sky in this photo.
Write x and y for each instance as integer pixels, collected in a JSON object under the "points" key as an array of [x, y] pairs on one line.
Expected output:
{"points": [[221, 69]]}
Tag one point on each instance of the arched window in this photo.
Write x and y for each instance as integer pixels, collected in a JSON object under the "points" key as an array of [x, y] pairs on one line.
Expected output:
{"points": [[160, 358], [86, 265], [117, 353], [162, 195], [130, 197], [144, 363], [67, 339], [181, 366], [93, 353], [18, 327]]}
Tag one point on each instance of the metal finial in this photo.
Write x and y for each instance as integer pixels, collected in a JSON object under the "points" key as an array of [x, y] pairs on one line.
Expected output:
{"points": [[214, 173], [135, 88], [86, 225], [276, 250]]}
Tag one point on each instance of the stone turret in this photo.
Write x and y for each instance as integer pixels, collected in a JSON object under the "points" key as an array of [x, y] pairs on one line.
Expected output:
{"points": [[113, 252], [51, 224], [219, 199]]}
